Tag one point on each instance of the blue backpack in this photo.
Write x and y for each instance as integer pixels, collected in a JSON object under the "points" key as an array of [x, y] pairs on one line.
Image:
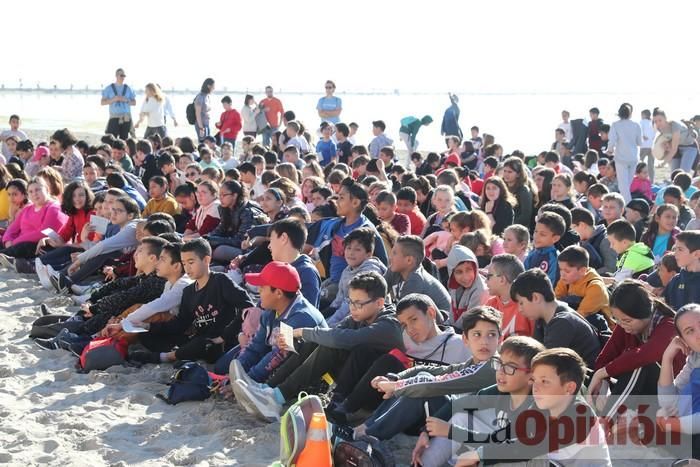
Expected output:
{"points": [[190, 382]]}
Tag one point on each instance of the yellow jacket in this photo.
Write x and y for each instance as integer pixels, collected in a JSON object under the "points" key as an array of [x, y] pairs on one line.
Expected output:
{"points": [[167, 205], [591, 290], [4, 205]]}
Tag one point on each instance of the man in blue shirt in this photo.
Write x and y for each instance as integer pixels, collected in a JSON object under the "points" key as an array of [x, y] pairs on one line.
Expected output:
{"points": [[119, 97], [329, 107], [450, 121]]}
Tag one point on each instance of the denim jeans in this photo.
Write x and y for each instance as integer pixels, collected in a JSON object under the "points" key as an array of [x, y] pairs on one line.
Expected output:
{"points": [[156, 130], [267, 135], [687, 160], [201, 136]]}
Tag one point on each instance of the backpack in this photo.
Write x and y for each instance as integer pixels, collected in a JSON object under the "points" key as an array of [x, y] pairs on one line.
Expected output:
{"points": [[191, 382], [294, 424], [191, 113], [103, 352], [366, 451]]}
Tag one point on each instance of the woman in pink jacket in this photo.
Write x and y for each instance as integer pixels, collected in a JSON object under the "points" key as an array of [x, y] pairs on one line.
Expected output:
{"points": [[21, 237]]}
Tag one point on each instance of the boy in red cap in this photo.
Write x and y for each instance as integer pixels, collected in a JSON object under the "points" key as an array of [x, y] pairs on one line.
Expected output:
{"points": [[279, 285]]}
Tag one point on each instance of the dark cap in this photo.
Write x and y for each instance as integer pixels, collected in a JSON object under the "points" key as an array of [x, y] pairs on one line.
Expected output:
{"points": [[120, 71], [640, 205]]}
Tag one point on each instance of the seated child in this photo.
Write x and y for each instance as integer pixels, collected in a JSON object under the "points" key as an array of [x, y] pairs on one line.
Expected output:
{"points": [[386, 208], [634, 259], [583, 289], [630, 359], [557, 376], [439, 239], [359, 246], [637, 213], [210, 314], [466, 286], [407, 392], [425, 342], [446, 430], [556, 325], [548, 230], [346, 351], [678, 396], [502, 272], [684, 288], [279, 286], [594, 238], [516, 241], [406, 274]]}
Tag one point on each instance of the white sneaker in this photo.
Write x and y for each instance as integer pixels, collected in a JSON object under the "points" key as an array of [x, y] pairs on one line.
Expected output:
{"points": [[261, 400], [52, 272], [43, 274], [7, 262], [236, 372]]}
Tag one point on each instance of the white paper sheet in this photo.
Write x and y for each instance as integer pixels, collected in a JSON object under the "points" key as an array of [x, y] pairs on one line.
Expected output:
{"points": [[100, 224], [286, 331], [128, 326]]}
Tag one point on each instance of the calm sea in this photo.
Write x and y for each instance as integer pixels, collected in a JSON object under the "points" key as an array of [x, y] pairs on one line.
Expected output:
{"points": [[518, 121]]}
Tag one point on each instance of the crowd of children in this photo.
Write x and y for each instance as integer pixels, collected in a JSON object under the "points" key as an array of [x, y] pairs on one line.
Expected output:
{"points": [[419, 292]]}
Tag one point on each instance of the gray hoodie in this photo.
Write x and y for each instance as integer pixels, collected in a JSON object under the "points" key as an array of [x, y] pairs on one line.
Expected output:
{"points": [[446, 347], [419, 281], [464, 299], [340, 304]]}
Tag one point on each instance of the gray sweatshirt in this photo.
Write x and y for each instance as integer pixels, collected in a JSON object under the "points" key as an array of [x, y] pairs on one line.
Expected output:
{"points": [[419, 281], [123, 240], [384, 333], [168, 301], [340, 304], [431, 381], [624, 140]]}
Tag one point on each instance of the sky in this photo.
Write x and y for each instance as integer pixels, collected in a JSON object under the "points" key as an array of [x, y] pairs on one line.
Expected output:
{"points": [[462, 46]]}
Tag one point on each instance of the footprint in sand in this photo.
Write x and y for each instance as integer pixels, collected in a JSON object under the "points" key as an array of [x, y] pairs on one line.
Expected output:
{"points": [[49, 446], [63, 375]]}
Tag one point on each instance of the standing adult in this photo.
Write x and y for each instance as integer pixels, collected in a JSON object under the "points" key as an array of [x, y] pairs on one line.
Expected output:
{"points": [[409, 130], [566, 125], [648, 134], [153, 108], [682, 150], [450, 120], [202, 109], [274, 110], [594, 139], [329, 106], [248, 113], [624, 140], [119, 97]]}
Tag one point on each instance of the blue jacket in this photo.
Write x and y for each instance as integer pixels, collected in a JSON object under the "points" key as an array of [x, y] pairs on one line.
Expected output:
{"points": [[546, 260], [310, 279], [262, 356], [683, 289], [136, 196]]}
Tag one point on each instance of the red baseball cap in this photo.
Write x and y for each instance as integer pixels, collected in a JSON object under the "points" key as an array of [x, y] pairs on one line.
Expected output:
{"points": [[278, 275]]}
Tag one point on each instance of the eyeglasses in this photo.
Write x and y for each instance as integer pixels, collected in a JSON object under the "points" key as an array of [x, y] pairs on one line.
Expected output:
{"points": [[507, 368], [358, 305]]}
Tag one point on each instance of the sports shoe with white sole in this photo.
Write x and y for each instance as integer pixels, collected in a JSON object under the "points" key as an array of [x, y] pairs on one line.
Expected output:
{"points": [[43, 274], [263, 401], [81, 299], [7, 262], [52, 272], [236, 371], [242, 401]]}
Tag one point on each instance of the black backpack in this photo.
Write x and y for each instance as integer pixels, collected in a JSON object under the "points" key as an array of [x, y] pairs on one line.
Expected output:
{"points": [[191, 113], [366, 451]]}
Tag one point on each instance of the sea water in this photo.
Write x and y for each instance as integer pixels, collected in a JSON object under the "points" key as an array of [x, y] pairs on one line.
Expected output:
{"points": [[518, 121]]}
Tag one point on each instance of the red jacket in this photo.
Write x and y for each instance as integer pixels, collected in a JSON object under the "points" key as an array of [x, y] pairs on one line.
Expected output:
{"points": [[70, 232], [625, 352], [231, 120]]}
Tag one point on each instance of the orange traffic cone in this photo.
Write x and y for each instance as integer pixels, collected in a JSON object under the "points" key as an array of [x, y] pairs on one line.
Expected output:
{"points": [[317, 450]]}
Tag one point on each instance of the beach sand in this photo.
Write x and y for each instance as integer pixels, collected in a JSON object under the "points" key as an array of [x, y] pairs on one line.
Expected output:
{"points": [[52, 415]]}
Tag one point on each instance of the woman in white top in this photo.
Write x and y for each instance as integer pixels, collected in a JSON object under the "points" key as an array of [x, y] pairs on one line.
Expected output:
{"points": [[682, 148], [153, 107], [248, 113], [624, 140]]}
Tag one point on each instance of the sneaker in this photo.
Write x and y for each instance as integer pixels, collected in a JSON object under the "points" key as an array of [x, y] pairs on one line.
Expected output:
{"points": [[56, 283], [43, 274], [44, 310], [242, 401], [52, 272], [262, 400], [337, 413], [236, 371], [7, 262], [47, 344]]}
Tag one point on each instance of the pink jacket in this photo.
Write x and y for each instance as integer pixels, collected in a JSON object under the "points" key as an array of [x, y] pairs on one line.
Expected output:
{"points": [[29, 223], [642, 186]]}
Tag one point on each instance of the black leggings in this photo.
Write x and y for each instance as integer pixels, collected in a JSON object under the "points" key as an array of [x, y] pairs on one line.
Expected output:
{"points": [[21, 250], [196, 348], [363, 395]]}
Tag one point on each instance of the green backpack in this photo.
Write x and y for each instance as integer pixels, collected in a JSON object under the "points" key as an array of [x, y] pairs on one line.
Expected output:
{"points": [[293, 427]]}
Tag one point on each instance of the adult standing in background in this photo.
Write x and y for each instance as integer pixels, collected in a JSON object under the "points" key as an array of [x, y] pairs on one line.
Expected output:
{"points": [[329, 107], [153, 108], [450, 121], [682, 149], [119, 97], [202, 109], [648, 134], [624, 140], [566, 125], [274, 110], [248, 113]]}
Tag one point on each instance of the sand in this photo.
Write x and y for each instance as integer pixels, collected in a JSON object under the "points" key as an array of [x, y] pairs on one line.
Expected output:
{"points": [[52, 415]]}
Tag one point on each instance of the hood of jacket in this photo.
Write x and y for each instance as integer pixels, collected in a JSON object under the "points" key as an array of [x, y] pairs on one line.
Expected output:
{"points": [[458, 255]]}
